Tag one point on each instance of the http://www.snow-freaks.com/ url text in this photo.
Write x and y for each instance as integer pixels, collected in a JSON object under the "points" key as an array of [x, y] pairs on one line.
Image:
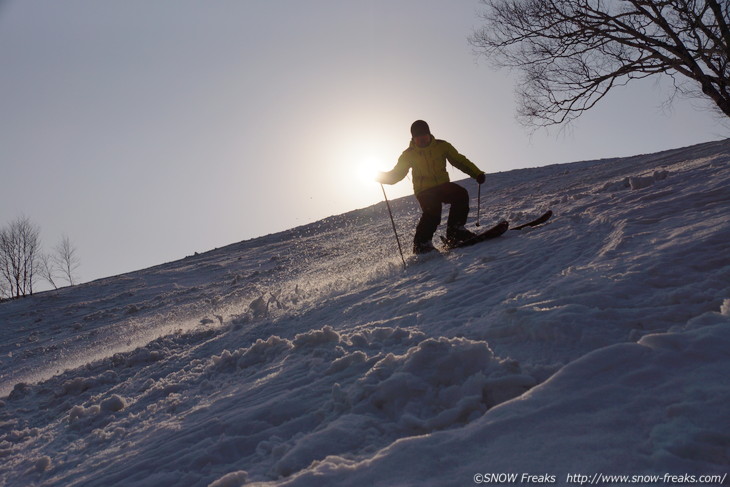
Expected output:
{"points": [[599, 479]]}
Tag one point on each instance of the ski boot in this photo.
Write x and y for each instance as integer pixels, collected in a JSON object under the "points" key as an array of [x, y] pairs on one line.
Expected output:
{"points": [[457, 235], [423, 247]]}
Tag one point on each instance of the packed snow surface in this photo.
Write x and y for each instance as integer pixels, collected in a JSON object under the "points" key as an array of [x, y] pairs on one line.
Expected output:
{"points": [[597, 344]]}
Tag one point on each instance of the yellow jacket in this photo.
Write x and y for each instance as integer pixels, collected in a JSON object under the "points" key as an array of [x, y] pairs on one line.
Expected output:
{"points": [[429, 165]]}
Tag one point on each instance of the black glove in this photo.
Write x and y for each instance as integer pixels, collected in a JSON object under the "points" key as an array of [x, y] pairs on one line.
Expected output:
{"points": [[481, 178]]}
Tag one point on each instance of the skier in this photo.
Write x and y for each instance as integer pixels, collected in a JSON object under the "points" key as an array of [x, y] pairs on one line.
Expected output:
{"points": [[427, 157]]}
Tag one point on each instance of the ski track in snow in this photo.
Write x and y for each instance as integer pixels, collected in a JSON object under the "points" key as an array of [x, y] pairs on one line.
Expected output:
{"points": [[596, 343]]}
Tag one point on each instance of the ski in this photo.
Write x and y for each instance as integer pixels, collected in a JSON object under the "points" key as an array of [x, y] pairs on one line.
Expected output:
{"points": [[495, 231], [537, 221]]}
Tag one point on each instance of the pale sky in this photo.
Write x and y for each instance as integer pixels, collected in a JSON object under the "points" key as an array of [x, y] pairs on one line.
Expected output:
{"points": [[150, 130]]}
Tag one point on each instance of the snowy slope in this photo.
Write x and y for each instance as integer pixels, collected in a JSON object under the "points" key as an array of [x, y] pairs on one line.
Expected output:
{"points": [[598, 343]]}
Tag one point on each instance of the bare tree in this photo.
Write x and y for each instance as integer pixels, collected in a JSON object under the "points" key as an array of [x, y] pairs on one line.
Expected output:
{"points": [[47, 269], [4, 292], [19, 252], [572, 52], [67, 260]]}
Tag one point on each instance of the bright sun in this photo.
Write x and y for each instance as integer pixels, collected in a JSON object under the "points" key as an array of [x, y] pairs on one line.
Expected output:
{"points": [[368, 169]]}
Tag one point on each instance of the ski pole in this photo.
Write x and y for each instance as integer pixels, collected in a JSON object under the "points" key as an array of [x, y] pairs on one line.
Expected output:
{"points": [[479, 202], [392, 221]]}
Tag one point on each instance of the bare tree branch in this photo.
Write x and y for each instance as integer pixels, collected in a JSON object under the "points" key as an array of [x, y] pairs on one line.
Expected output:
{"points": [[571, 53], [47, 269]]}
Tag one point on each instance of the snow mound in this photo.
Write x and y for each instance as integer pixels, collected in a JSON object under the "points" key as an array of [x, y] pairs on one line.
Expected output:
{"points": [[437, 384]]}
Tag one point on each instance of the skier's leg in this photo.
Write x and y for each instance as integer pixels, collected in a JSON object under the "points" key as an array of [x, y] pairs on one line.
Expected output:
{"points": [[458, 198], [430, 202]]}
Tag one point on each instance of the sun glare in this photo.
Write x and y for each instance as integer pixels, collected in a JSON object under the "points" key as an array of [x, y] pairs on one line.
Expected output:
{"points": [[368, 169]]}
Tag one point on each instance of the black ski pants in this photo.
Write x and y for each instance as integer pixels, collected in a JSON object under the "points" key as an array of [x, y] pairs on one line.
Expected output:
{"points": [[431, 200]]}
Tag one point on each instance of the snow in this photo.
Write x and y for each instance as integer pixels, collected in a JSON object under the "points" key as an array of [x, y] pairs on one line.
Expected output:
{"points": [[596, 344]]}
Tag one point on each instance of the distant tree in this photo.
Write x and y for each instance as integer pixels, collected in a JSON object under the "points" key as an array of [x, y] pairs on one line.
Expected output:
{"points": [[4, 292], [572, 52], [19, 253], [67, 260], [62, 264], [47, 269]]}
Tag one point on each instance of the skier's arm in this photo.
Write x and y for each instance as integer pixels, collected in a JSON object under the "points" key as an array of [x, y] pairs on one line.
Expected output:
{"points": [[460, 162], [396, 174]]}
